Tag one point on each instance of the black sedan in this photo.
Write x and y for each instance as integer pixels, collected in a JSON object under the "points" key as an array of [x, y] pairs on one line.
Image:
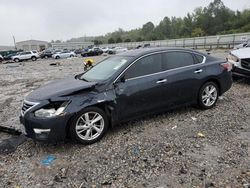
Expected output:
{"points": [[121, 88], [46, 54], [91, 52]]}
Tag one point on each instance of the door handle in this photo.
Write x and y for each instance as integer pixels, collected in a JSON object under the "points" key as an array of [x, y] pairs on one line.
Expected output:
{"points": [[161, 81], [198, 71]]}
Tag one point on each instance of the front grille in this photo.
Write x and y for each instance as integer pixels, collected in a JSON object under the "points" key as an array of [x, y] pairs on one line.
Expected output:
{"points": [[27, 106], [245, 63]]}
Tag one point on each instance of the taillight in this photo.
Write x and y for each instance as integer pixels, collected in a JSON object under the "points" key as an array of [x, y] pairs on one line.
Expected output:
{"points": [[227, 66]]}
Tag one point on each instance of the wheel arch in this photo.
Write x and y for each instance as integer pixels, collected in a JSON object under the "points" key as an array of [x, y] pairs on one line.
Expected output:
{"points": [[104, 106], [215, 80]]}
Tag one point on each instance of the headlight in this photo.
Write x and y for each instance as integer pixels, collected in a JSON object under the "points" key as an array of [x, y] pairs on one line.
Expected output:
{"points": [[52, 110], [233, 58]]}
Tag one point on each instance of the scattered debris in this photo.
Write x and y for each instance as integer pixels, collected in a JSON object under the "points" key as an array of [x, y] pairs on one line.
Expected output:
{"points": [[10, 130], [10, 145], [174, 127], [200, 135], [49, 160], [55, 64], [183, 169], [62, 174], [194, 118]]}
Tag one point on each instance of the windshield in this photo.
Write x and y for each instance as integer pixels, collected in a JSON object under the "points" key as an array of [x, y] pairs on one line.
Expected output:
{"points": [[105, 69]]}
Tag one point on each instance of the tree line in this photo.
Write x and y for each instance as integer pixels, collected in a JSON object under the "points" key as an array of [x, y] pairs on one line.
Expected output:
{"points": [[214, 19]]}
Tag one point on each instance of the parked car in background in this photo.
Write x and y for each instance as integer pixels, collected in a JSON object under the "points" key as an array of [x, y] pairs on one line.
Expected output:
{"points": [[78, 51], [105, 49], [1, 58], [117, 50], [240, 60], [124, 87], [29, 55], [245, 44], [64, 54], [9, 56], [46, 54], [56, 51], [92, 52]]}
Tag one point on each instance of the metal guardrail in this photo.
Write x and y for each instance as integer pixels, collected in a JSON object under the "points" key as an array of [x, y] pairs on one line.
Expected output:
{"points": [[210, 42]]}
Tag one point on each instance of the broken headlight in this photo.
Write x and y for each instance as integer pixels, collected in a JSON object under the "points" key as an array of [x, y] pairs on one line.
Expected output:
{"points": [[52, 110]]}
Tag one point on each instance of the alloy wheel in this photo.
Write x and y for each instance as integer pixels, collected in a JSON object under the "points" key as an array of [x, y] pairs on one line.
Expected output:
{"points": [[209, 95], [89, 126]]}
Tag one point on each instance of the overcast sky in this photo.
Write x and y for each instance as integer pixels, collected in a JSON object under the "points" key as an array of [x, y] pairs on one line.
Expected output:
{"points": [[65, 19]]}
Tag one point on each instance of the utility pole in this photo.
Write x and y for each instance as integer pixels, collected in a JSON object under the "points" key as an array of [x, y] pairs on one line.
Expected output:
{"points": [[14, 41]]}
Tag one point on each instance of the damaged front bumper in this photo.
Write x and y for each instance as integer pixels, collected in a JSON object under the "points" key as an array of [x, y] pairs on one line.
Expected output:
{"points": [[45, 129]]}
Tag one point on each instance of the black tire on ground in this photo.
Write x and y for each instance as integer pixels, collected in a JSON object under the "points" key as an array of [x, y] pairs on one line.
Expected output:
{"points": [[33, 58], [73, 123], [202, 92], [71, 56], [57, 57], [16, 60], [46, 57]]}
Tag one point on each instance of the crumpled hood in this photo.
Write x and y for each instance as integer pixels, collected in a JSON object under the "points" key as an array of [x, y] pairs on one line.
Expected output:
{"points": [[242, 53], [62, 87]]}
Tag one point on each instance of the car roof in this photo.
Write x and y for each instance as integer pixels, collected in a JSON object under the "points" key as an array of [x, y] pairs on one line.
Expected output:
{"points": [[145, 51]]}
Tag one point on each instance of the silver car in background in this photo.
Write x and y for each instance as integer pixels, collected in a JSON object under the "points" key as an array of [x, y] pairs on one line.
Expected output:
{"points": [[64, 54]]}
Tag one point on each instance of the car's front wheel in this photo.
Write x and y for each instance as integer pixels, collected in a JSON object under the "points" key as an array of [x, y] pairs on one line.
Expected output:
{"points": [[208, 95], [16, 60], [33, 58], [89, 125]]}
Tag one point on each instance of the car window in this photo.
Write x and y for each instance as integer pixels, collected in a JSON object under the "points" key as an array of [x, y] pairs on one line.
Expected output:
{"points": [[105, 69], [145, 66], [28, 53], [172, 60], [199, 58]]}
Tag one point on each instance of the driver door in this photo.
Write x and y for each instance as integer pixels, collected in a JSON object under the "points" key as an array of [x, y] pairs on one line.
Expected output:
{"points": [[140, 92]]}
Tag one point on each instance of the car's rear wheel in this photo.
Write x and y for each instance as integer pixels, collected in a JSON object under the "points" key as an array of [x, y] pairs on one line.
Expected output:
{"points": [[208, 95], [46, 57], [89, 125], [16, 60], [33, 58], [71, 56], [57, 57]]}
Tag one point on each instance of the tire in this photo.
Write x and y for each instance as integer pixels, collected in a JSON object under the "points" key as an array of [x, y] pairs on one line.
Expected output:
{"points": [[33, 58], [208, 95], [16, 60], [71, 56], [88, 134], [57, 57], [46, 57]]}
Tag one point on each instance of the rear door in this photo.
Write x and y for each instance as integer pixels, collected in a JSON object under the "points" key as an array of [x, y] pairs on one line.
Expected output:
{"points": [[140, 92], [184, 72]]}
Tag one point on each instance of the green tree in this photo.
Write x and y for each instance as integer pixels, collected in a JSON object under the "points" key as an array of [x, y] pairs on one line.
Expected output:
{"points": [[111, 41], [198, 32]]}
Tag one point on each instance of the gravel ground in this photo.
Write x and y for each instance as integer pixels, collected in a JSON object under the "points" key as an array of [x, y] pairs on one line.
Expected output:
{"points": [[183, 148]]}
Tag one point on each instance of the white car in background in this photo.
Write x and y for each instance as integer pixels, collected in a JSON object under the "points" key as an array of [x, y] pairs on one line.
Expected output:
{"points": [[64, 54], [240, 59], [120, 50], [29, 55], [245, 44], [1, 58], [117, 50]]}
